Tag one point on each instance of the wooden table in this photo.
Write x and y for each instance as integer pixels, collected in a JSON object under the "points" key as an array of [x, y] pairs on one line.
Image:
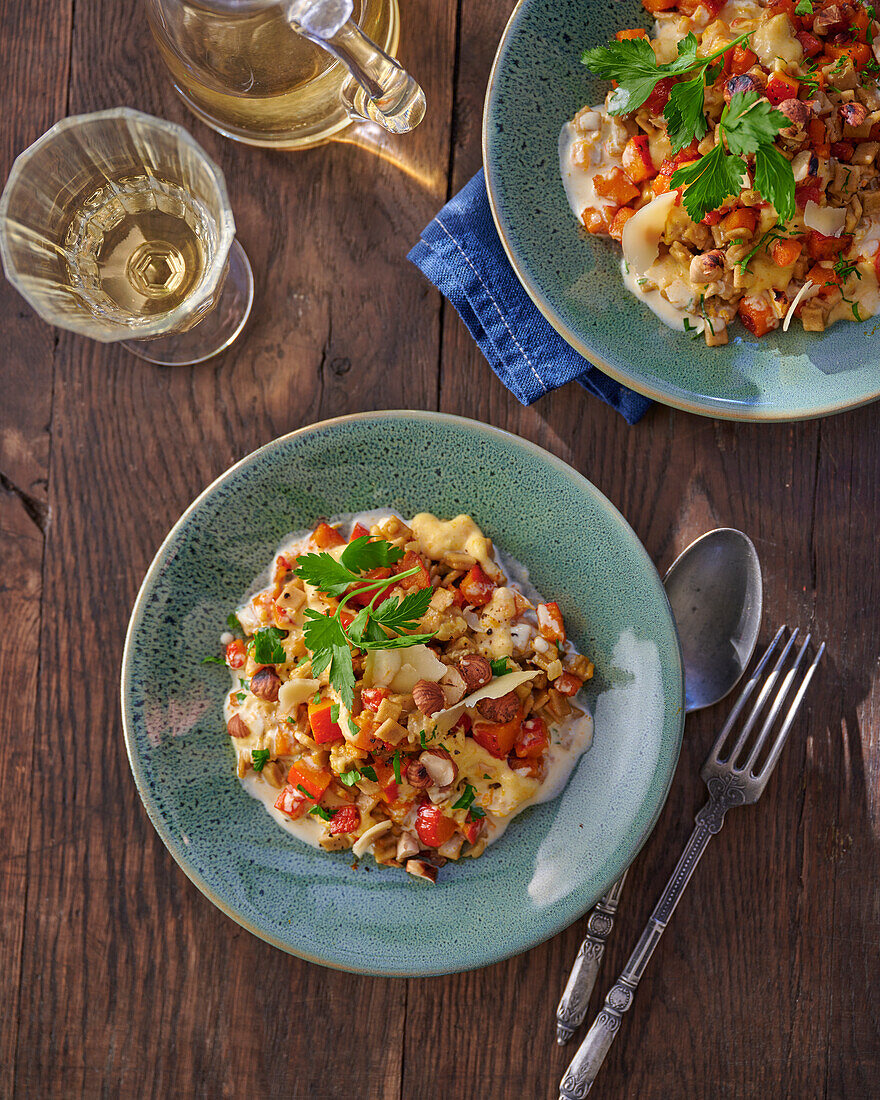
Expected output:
{"points": [[118, 977]]}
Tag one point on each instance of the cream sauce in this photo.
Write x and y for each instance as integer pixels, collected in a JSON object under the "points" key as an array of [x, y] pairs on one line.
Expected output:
{"points": [[578, 182]]}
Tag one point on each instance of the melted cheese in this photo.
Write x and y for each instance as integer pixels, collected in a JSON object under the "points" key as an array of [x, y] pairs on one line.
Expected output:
{"points": [[642, 233], [460, 535]]}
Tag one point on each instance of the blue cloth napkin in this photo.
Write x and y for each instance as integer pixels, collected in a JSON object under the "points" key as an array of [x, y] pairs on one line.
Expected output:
{"points": [[461, 253]]}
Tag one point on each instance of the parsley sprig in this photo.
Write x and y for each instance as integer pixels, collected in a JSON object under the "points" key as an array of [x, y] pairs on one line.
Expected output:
{"points": [[633, 64], [748, 125], [374, 627]]}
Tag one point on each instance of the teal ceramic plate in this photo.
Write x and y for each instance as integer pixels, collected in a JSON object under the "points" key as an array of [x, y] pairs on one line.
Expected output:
{"points": [[556, 859], [538, 83]]}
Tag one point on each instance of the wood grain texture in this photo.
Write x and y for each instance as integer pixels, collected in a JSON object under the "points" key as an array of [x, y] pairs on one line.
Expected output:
{"points": [[124, 980]]}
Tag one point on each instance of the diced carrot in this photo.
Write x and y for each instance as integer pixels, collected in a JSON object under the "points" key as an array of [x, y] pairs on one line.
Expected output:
{"points": [[756, 314], [597, 221], [615, 185], [821, 247], [741, 218], [660, 184], [310, 782], [859, 22], [636, 159], [620, 219], [781, 86], [635, 32], [785, 253]]}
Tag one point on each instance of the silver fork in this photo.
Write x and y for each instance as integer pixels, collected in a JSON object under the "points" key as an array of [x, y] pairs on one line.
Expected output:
{"points": [[731, 781]]}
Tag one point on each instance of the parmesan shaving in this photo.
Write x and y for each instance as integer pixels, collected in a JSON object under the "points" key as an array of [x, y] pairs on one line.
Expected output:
{"points": [[642, 233], [363, 843], [827, 220], [445, 719], [797, 298]]}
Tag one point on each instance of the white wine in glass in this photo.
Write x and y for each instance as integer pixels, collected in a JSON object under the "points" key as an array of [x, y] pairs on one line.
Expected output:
{"points": [[117, 225]]}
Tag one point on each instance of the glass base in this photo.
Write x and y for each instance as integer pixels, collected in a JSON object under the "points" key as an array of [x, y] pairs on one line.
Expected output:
{"points": [[216, 330]]}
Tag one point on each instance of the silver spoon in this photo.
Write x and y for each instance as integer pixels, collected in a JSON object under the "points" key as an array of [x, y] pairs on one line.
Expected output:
{"points": [[716, 593]]}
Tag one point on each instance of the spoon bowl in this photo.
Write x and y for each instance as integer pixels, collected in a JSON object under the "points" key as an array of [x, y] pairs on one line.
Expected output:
{"points": [[715, 591]]}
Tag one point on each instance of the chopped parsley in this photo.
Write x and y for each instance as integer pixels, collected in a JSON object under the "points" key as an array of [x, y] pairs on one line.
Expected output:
{"points": [[334, 712], [477, 811], [349, 778], [259, 758], [466, 799], [319, 811], [370, 773], [213, 661], [308, 794], [844, 268], [804, 7], [266, 646], [396, 764], [233, 623], [500, 666]]}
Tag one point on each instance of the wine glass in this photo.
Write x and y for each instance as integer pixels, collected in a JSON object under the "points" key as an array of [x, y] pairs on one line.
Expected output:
{"points": [[117, 225]]}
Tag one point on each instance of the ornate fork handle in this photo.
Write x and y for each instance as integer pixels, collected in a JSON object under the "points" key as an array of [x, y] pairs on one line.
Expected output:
{"points": [[576, 996], [583, 1068]]}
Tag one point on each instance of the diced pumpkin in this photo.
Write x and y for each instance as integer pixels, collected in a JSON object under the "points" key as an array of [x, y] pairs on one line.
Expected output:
{"points": [[635, 32], [310, 782], [411, 560], [826, 278], [324, 729], [654, 6], [781, 86], [807, 192], [358, 532], [615, 186], [858, 52], [740, 218], [757, 316], [620, 219], [597, 220], [636, 159], [568, 684], [658, 99], [821, 247], [476, 587], [497, 738], [533, 739], [741, 60], [326, 537], [785, 252]]}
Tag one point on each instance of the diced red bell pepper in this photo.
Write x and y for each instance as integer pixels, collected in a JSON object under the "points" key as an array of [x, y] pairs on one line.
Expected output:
{"points": [[550, 622], [465, 723], [809, 43], [472, 828], [326, 537], [476, 587], [372, 697], [807, 192], [324, 729], [527, 766], [532, 740], [821, 247], [497, 738], [347, 819], [358, 532], [658, 99], [636, 159], [781, 86], [411, 560], [688, 7], [292, 802], [236, 653], [310, 782], [568, 684], [362, 595], [741, 60], [365, 738], [756, 315], [457, 597], [616, 186], [433, 826], [385, 779], [712, 218]]}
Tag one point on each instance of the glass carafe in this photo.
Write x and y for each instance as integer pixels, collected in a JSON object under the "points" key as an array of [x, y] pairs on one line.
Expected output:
{"points": [[287, 73]]}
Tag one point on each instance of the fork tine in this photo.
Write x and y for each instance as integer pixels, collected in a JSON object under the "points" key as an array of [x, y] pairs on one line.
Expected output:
{"points": [[776, 706], [744, 696], [773, 756], [763, 695]]}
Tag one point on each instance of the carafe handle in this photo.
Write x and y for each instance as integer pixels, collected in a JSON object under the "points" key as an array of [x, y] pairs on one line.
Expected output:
{"points": [[379, 89]]}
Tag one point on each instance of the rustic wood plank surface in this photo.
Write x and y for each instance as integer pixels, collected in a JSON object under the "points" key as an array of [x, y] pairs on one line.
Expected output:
{"points": [[118, 977]]}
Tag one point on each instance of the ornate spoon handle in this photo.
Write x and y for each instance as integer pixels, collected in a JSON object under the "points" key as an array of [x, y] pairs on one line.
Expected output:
{"points": [[583, 1068], [576, 997]]}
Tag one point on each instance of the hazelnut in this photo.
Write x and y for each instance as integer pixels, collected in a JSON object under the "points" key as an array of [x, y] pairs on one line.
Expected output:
{"points": [[421, 869], [707, 267], [829, 21], [740, 84], [475, 671], [440, 767], [853, 114], [417, 775], [428, 696], [499, 710], [799, 114], [265, 683], [407, 846], [237, 727]]}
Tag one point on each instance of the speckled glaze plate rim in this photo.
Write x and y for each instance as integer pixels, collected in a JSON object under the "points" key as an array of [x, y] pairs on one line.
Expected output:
{"points": [[567, 912], [688, 401]]}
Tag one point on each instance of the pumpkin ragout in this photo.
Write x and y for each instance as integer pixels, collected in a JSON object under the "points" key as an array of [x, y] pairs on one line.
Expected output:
{"points": [[426, 752], [815, 63]]}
